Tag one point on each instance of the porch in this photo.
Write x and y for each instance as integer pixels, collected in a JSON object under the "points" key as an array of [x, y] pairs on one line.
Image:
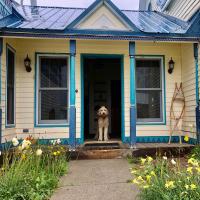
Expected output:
{"points": [[25, 112]]}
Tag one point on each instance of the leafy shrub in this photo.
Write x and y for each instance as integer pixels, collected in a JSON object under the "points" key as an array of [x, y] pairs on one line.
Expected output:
{"points": [[164, 179], [31, 172]]}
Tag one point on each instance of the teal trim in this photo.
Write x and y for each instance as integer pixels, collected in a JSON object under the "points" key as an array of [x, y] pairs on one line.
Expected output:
{"points": [[159, 139], [164, 122], [36, 124], [83, 56], [1, 51], [9, 47], [72, 80]]}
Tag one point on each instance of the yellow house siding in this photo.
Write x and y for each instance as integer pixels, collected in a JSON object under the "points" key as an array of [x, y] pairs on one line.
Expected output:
{"points": [[168, 50], [25, 86], [183, 9], [188, 78]]}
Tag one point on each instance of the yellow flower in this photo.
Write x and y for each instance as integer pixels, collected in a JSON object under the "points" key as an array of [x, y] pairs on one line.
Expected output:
{"points": [[133, 172], [186, 187], [143, 160], [55, 153], [186, 138], [58, 152], [189, 169], [20, 148], [39, 152], [198, 169], [139, 178], [148, 178], [169, 184], [193, 186], [135, 181], [193, 162], [149, 159], [146, 186], [153, 173], [23, 157]]}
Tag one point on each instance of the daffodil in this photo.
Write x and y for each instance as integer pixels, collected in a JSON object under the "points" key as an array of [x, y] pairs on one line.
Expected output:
{"points": [[135, 181], [146, 186], [169, 184], [15, 142], [186, 187], [139, 178], [189, 169], [186, 138], [173, 162], [153, 173], [133, 171], [58, 152], [193, 186], [55, 153], [23, 157], [39, 152], [198, 169], [143, 160], [148, 177], [149, 159]]}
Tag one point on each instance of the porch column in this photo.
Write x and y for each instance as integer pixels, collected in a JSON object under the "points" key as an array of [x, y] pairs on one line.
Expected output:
{"points": [[132, 95], [1, 50], [72, 109], [196, 57]]}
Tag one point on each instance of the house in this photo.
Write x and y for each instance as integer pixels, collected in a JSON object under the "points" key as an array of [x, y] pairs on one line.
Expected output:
{"points": [[184, 9], [58, 65]]}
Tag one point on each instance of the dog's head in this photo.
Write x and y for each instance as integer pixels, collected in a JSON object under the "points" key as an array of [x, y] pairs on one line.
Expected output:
{"points": [[103, 112]]}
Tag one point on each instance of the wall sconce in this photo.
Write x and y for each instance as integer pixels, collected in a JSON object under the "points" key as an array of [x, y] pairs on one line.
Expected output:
{"points": [[171, 66], [27, 64]]}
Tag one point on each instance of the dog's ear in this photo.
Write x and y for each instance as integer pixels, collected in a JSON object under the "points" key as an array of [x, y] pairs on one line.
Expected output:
{"points": [[98, 112]]}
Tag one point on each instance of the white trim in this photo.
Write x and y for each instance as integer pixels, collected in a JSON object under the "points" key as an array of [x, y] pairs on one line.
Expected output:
{"points": [[54, 122]]}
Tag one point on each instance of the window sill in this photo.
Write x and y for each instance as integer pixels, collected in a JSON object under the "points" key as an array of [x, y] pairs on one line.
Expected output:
{"points": [[150, 123], [51, 125]]}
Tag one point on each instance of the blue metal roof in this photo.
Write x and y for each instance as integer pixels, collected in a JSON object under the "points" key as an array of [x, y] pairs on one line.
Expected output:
{"points": [[58, 20]]}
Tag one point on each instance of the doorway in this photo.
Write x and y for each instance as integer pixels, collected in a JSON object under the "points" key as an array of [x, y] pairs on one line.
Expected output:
{"points": [[102, 79]]}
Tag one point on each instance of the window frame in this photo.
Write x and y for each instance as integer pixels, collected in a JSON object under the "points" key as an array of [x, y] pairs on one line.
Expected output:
{"points": [[10, 48], [153, 121], [50, 123]]}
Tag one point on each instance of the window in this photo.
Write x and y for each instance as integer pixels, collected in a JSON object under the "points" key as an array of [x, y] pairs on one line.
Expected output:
{"points": [[149, 90], [10, 87], [53, 89]]}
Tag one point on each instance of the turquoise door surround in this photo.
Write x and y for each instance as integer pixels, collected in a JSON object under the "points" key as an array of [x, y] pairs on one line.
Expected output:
{"points": [[103, 56]]}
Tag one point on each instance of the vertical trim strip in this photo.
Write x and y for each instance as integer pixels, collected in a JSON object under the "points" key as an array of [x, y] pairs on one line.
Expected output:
{"points": [[1, 51], [132, 95], [72, 127], [196, 57]]}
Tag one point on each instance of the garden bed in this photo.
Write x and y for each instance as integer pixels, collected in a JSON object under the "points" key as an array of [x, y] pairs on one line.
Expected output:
{"points": [[166, 178], [31, 171]]}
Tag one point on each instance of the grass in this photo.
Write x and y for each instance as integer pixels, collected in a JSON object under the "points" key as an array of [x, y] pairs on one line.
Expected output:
{"points": [[31, 172]]}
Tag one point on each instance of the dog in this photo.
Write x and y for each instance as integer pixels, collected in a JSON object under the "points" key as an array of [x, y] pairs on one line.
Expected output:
{"points": [[103, 123]]}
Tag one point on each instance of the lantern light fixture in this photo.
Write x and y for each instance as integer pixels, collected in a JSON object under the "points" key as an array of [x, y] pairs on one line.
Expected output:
{"points": [[171, 66], [27, 64]]}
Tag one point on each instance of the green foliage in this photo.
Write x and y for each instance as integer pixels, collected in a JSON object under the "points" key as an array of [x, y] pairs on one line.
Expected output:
{"points": [[196, 152], [164, 179], [31, 173]]}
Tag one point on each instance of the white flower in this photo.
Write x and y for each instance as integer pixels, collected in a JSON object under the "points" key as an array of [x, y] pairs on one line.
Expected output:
{"points": [[58, 141], [26, 144], [39, 152], [15, 142], [173, 162], [165, 157]]}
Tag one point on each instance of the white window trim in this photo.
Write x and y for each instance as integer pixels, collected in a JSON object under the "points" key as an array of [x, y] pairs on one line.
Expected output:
{"points": [[48, 122], [8, 47], [160, 120]]}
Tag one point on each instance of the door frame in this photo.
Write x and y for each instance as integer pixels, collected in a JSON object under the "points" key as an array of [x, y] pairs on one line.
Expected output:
{"points": [[103, 56]]}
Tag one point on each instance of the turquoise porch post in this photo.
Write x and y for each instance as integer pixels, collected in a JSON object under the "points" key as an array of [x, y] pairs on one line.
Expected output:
{"points": [[196, 58], [132, 95], [72, 109], [1, 51]]}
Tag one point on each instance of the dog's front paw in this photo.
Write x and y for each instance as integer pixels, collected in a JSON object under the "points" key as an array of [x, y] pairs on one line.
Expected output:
{"points": [[100, 139]]}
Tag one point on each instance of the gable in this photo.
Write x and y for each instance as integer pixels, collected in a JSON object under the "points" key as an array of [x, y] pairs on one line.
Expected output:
{"points": [[103, 18]]}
